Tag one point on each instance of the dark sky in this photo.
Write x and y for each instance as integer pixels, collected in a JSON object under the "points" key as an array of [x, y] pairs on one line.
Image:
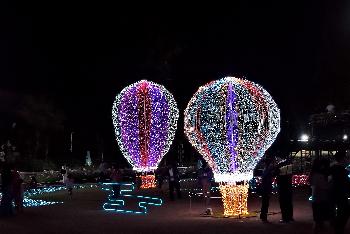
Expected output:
{"points": [[81, 55]]}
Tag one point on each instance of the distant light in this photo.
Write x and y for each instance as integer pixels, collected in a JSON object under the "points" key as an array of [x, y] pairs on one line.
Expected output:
{"points": [[304, 138], [345, 137]]}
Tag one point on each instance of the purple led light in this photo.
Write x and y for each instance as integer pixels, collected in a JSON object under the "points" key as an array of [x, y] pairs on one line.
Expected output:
{"points": [[129, 123], [145, 118], [159, 125], [232, 125]]}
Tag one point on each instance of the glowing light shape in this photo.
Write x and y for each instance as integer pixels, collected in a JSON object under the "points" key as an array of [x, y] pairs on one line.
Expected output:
{"points": [[116, 202], [145, 118], [304, 138], [232, 122], [148, 181], [234, 199], [31, 202], [300, 180]]}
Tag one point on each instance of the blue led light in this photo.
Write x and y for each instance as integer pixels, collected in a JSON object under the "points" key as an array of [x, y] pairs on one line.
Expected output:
{"points": [[30, 202], [116, 203]]}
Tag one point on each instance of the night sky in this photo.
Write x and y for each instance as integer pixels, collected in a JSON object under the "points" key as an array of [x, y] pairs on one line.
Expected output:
{"points": [[80, 55]]}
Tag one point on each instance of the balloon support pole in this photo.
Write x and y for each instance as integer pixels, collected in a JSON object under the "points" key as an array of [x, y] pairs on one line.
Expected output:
{"points": [[234, 198], [148, 181]]}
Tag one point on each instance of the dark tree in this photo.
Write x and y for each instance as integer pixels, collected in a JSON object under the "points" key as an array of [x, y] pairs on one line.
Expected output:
{"points": [[44, 123]]}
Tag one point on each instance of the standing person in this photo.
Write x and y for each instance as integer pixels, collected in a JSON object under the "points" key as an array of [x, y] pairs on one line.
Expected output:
{"points": [[266, 187], [285, 192], [102, 169], [6, 187], [320, 193], [33, 184], [116, 177], [205, 177], [160, 177], [64, 172], [174, 181], [17, 190], [70, 184], [339, 192]]}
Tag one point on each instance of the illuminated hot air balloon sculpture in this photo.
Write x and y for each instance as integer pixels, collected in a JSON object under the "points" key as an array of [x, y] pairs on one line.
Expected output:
{"points": [[232, 122], [145, 118]]}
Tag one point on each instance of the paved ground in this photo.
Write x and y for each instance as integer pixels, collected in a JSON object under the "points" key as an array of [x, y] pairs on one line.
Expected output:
{"points": [[83, 214]]}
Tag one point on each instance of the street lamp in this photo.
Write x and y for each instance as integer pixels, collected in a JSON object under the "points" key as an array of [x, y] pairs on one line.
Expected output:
{"points": [[304, 138], [345, 137]]}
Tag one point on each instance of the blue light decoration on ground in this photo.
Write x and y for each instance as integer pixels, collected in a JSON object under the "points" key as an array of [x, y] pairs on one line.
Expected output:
{"points": [[117, 203], [28, 201]]}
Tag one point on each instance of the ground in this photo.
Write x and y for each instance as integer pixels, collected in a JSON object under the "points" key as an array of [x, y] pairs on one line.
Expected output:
{"points": [[84, 214]]}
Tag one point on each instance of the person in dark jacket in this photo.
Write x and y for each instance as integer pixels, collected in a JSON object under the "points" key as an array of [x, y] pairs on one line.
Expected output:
{"points": [[33, 184], [285, 191], [340, 192], [6, 208], [266, 187], [17, 190], [320, 194], [174, 181], [205, 176], [116, 177]]}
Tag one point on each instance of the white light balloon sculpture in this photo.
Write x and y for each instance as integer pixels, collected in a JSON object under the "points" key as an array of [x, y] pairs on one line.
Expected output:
{"points": [[232, 122]]}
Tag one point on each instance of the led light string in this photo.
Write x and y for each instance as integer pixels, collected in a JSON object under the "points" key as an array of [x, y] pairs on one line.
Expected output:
{"points": [[247, 130], [116, 202], [148, 181], [145, 118], [28, 201], [232, 122]]}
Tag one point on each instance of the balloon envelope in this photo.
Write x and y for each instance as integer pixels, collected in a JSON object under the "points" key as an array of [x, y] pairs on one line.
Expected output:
{"points": [[232, 122], [145, 120]]}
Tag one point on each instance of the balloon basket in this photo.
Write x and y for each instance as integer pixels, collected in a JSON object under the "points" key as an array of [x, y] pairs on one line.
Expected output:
{"points": [[234, 199], [148, 181]]}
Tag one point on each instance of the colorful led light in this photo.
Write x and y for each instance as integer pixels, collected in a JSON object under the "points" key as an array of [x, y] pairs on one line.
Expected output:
{"points": [[300, 180], [234, 199], [232, 122], [145, 118], [116, 202], [148, 181], [28, 201]]}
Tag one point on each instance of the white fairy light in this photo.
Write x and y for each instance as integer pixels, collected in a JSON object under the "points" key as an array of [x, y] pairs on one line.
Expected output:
{"points": [[232, 122], [145, 118]]}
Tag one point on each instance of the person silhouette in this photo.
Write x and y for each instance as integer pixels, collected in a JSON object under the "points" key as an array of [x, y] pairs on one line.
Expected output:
{"points": [[320, 193], [339, 192], [174, 181], [285, 191], [266, 187], [6, 208]]}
